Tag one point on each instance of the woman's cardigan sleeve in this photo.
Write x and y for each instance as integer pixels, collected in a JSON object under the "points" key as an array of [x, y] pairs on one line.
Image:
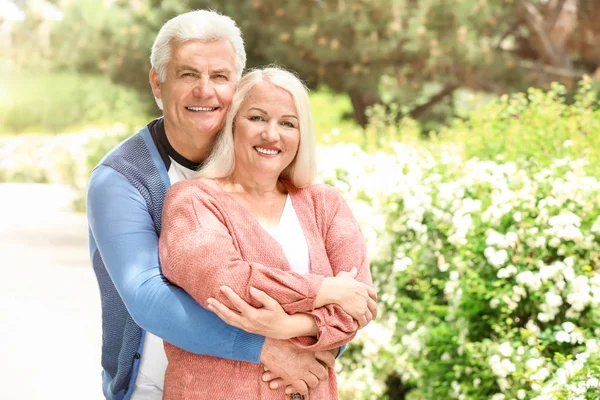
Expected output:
{"points": [[199, 253], [346, 248]]}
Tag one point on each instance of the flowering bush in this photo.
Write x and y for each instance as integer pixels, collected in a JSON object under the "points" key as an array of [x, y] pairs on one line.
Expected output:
{"points": [[488, 276]]}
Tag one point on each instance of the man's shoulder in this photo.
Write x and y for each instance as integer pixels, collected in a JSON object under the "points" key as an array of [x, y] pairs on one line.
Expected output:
{"points": [[129, 150]]}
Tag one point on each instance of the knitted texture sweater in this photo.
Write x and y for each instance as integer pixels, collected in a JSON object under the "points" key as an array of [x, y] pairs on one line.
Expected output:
{"points": [[209, 240], [124, 204]]}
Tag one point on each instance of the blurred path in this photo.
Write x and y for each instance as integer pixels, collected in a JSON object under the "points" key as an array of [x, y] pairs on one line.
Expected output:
{"points": [[50, 328]]}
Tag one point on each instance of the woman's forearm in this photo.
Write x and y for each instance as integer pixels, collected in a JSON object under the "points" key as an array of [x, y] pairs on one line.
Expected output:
{"points": [[300, 324]]}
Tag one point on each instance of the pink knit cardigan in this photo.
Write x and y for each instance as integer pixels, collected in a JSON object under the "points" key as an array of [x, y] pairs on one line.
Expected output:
{"points": [[209, 240]]}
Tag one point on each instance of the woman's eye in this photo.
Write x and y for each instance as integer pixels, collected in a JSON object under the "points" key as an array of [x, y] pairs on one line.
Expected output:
{"points": [[256, 118], [287, 124]]}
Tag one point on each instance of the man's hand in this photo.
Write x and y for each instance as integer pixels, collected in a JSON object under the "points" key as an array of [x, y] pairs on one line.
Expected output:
{"points": [[269, 321], [276, 381], [302, 369]]}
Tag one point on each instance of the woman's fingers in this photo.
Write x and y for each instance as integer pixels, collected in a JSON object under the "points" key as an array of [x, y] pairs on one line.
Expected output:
{"points": [[372, 293], [223, 312], [372, 306], [236, 300], [266, 300]]}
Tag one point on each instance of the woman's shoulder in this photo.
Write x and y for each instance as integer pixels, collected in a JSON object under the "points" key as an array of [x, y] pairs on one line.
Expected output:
{"points": [[321, 194]]}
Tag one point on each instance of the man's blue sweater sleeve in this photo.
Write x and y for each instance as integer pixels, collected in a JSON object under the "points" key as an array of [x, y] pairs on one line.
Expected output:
{"points": [[124, 234]]}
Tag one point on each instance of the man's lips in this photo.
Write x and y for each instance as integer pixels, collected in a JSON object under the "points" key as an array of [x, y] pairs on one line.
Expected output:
{"points": [[202, 108]]}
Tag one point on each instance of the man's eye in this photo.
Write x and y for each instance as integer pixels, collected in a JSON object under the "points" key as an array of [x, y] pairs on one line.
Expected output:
{"points": [[221, 77], [188, 74]]}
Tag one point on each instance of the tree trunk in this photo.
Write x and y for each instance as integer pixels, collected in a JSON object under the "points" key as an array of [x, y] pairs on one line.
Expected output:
{"points": [[361, 100]]}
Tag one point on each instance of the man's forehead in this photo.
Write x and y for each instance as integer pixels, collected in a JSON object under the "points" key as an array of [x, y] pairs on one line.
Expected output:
{"points": [[199, 54]]}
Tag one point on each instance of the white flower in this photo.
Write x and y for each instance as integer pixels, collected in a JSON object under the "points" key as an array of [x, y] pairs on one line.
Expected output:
{"points": [[521, 394], [532, 327], [496, 258], [568, 327], [553, 299], [562, 336], [530, 280], [592, 383], [541, 375], [505, 349]]}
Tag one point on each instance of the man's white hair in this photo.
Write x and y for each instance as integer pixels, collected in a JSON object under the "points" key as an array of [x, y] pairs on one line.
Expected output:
{"points": [[203, 25]]}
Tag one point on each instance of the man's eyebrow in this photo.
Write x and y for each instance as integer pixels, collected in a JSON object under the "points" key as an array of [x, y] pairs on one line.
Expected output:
{"points": [[188, 68], [221, 71]]}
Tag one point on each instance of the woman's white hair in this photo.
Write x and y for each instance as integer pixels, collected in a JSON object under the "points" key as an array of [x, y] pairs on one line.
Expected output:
{"points": [[203, 25], [303, 168]]}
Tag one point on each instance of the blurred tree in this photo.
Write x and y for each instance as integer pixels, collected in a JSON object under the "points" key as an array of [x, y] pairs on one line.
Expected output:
{"points": [[424, 49]]}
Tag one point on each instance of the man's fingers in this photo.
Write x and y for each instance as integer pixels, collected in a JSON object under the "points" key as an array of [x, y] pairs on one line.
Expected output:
{"points": [[276, 383], [325, 357], [223, 312], [320, 372], [266, 300], [372, 307], [311, 380], [298, 386], [290, 389], [268, 376], [236, 300]]}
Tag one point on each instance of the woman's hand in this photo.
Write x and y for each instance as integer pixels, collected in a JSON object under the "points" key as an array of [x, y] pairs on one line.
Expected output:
{"points": [[270, 321], [356, 298]]}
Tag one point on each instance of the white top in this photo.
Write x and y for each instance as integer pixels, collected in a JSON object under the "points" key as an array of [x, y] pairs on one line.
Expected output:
{"points": [[153, 363], [290, 236]]}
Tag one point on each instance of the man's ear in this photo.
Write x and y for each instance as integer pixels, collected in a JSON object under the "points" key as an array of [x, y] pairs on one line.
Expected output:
{"points": [[155, 83]]}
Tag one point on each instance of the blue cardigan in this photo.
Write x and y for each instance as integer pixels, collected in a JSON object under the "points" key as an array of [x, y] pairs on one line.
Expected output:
{"points": [[124, 205]]}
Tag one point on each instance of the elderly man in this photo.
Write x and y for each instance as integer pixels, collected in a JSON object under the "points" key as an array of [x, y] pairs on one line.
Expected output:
{"points": [[197, 59]]}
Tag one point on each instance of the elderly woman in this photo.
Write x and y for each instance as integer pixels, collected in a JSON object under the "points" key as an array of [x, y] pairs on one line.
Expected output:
{"points": [[253, 221]]}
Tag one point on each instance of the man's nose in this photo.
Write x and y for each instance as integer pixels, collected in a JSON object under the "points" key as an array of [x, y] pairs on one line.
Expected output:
{"points": [[204, 87]]}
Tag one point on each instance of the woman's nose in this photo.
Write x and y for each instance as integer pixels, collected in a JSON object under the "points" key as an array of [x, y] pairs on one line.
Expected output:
{"points": [[271, 132]]}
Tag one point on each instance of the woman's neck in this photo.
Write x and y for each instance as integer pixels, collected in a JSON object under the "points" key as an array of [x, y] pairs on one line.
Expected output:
{"points": [[257, 188]]}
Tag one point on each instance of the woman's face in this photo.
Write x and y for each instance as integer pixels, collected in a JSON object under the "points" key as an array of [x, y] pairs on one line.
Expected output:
{"points": [[266, 131]]}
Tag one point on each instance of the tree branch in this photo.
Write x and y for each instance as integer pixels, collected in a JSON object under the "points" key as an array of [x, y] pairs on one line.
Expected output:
{"points": [[552, 70], [422, 109], [535, 21]]}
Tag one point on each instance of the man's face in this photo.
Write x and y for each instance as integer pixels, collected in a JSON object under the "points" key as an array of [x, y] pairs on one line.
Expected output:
{"points": [[196, 94]]}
